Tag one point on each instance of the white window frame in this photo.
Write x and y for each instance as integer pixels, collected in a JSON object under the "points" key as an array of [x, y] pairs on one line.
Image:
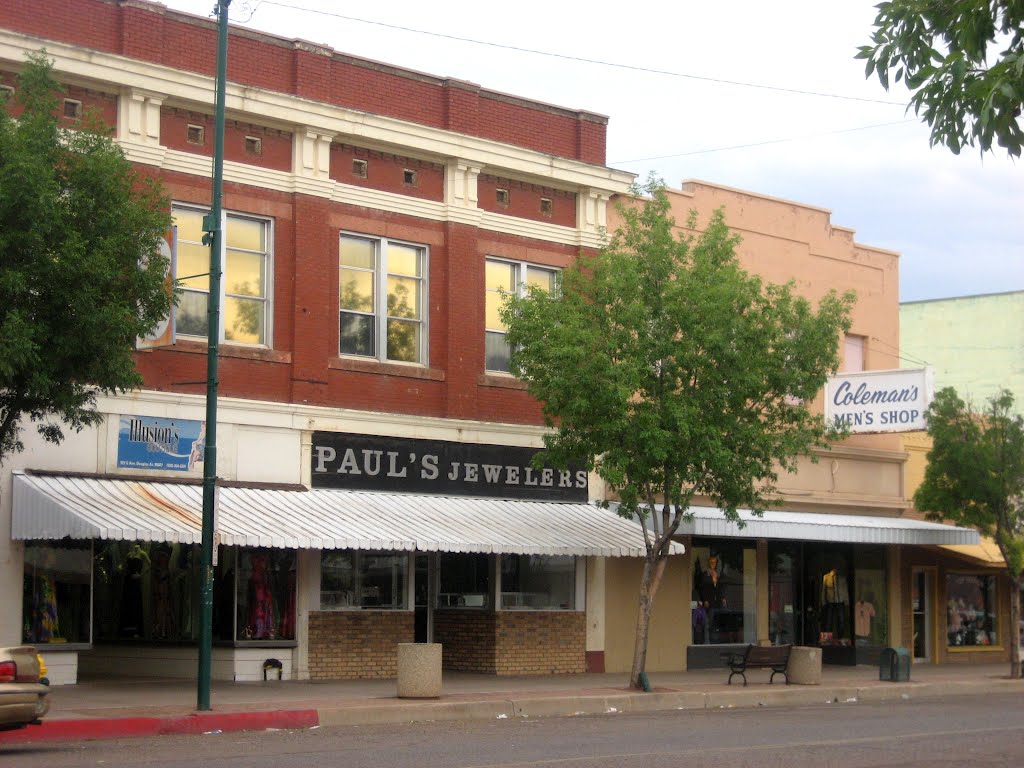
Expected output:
{"points": [[380, 292], [268, 255], [519, 277]]}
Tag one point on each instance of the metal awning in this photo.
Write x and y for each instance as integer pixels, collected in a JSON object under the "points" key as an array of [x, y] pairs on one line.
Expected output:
{"points": [[815, 526], [58, 506]]}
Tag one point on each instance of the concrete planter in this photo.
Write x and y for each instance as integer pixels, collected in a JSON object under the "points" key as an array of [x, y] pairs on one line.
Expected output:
{"points": [[419, 670], [804, 666]]}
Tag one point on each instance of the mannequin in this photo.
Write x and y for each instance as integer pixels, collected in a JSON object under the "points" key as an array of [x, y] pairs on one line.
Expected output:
{"points": [[163, 611], [834, 601], [131, 592]]}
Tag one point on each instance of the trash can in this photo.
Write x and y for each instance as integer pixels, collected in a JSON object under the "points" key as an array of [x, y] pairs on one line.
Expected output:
{"points": [[894, 665]]}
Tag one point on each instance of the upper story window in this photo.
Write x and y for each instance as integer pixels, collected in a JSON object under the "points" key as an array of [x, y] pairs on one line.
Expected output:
{"points": [[245, 280], [506, 277], [382, 299], [853, 353]]}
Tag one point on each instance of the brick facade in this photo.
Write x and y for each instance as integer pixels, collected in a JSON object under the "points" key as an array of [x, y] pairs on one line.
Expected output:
{"points": [[188, 43], [349, 645], [512, 642]]}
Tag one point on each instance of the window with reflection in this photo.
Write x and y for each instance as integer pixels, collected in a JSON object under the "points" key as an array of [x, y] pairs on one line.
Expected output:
{"points": [[539, 582], [382, 299], [724, 597], [56, 588], [245, 308], [464, 580], [351, 579], [971, 615], [501, 278]]}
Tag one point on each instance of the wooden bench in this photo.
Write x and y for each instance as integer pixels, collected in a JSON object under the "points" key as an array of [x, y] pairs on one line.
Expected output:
{"points": [[773, 657]]}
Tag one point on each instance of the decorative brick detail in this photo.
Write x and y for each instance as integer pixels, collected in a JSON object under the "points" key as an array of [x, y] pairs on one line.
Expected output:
{"points": [[512, 642], [348, 645]]}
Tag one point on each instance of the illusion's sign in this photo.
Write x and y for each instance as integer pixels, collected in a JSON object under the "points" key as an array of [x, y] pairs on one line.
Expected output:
{"points": [[879, 401], [145, 442], [403, 465]]}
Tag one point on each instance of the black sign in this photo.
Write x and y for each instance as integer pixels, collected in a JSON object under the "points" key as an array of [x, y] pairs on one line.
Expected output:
{"points": [[400, 465]]}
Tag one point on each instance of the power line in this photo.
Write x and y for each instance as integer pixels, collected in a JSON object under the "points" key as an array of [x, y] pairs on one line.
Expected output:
{"points": [[763, 143], [582, 59]]}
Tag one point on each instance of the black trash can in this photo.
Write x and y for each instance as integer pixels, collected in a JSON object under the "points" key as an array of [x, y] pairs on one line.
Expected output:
{"points": [[894, 665]]}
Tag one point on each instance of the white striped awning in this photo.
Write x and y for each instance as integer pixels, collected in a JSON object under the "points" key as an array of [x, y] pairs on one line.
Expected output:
{"points": [[813, 526], [59, 506]]}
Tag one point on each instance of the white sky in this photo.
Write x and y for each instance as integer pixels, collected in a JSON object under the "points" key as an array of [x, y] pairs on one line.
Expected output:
{"points": [[957, 221]]}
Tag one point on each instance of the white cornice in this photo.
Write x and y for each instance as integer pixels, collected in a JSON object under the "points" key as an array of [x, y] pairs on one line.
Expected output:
{"points": [[289, 112], [295, 416]]}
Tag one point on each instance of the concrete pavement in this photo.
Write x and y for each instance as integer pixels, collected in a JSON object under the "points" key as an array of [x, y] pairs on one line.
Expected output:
{"points": [[104, 709]]}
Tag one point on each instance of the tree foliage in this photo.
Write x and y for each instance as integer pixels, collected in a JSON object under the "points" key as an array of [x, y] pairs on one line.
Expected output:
{"points": [[673, 373], [947, 52], [80, 274], [975, 477]]}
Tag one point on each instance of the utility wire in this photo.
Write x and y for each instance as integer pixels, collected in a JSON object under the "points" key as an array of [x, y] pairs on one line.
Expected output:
{"points": [[566, 57], [762, 143]]}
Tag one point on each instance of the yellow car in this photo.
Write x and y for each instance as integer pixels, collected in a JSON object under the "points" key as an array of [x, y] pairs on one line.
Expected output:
{"points": [[24, 699]]}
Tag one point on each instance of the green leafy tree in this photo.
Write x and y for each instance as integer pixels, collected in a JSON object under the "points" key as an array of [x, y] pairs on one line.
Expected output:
{"points": [[80, 274], [947, 53], [975, 477], [672, 373]]}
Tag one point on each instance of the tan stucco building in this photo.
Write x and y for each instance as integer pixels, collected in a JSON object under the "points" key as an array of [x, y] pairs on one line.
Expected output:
{"points": [[833, 567]]}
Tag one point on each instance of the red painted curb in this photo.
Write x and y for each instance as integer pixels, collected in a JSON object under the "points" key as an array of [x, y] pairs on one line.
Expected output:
{"points": [[128, 727]]}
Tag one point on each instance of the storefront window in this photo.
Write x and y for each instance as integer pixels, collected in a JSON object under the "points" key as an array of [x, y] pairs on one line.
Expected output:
{"points": [[870, 608], [828, 600], [546, 582], [724, 592], [146, 591], [465, 581], [783, 565], [351, 579], [266, 594], [55, 600], [971, 618], [150, 592]]}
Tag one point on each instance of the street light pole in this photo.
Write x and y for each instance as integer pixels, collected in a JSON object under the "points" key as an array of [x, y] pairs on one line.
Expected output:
{"points": [[214, 238]]}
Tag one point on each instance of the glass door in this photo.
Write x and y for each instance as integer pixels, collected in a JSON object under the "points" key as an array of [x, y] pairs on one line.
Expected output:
{"points": [[921, 601], [422, 585]]}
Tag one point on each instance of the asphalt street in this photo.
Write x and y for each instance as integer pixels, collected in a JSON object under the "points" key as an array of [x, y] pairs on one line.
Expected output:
{"points": [[953, 732]]}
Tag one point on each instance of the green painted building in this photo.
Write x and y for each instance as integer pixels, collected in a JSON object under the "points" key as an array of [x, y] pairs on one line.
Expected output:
{"points": [[974, 343]]}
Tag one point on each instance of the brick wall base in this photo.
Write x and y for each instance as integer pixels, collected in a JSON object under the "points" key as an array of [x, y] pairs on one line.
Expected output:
{"points": [[348, 645]]}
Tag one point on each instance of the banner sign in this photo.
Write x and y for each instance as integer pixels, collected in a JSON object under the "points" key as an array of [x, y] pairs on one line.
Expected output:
{"points": [[879, 401], [404, 465], [145, 442]]}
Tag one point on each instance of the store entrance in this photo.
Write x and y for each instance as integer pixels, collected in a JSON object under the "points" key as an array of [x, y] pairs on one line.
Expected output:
{"points": [[423, 590]]}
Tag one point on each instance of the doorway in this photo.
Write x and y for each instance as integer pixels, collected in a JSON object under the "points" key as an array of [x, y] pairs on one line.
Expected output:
{"points": [[922, 602]]}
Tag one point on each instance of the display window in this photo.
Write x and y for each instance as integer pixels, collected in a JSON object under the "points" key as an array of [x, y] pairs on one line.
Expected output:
{"points": [[55, 597], [724, 592], [870, 606], [464, 580], [971, 616], [783, 612], [149, 592], [828, 620], [350, 579], [538, 582]]}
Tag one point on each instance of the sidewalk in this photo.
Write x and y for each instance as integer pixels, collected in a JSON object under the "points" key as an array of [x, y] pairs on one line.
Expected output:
{"points": [[122, 708]]}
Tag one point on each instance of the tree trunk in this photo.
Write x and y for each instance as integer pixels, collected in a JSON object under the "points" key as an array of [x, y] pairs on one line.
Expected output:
{"points": [[1014, 634], [654, 568]]}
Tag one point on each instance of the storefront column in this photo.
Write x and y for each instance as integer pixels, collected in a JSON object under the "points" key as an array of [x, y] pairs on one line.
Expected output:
{"points": [[761, 585], [307, 600], [595, 607], [895, 583]]}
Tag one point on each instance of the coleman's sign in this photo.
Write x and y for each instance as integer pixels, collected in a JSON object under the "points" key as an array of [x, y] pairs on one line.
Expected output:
{"points": [[879, 401], [405, 465]]}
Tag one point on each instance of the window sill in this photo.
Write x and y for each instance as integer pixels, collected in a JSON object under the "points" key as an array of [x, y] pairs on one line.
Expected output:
{"points": [[387, 369], [501, 380], [226, 349], [974, 648]]}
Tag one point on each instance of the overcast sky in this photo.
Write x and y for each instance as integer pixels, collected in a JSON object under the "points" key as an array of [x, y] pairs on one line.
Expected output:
{"points": [[956, 221]]}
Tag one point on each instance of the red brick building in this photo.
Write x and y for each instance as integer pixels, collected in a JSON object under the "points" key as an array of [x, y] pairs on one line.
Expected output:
{"points": [[373, 214]]}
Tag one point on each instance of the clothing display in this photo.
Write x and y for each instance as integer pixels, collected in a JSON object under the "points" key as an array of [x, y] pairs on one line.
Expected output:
{"points": [[834, 606], [260, 622], [863, 612]]}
